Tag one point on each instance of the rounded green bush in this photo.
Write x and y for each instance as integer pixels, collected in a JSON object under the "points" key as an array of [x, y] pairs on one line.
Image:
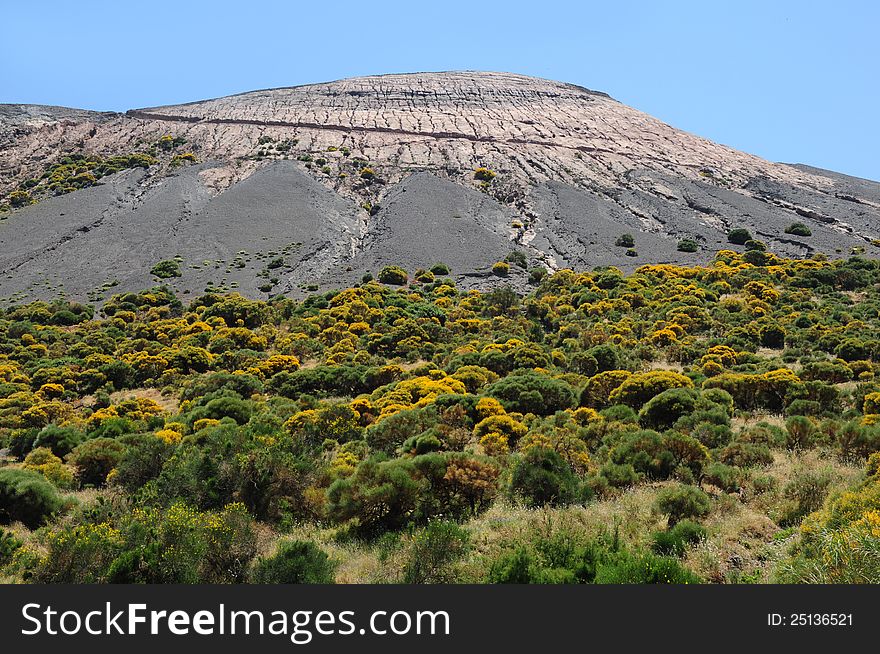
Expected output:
{"points": [[27, 497], [688, 245], [739, 236], [798, 229]]}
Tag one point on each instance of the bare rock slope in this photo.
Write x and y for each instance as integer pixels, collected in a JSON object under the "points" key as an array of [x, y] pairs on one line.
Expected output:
{"points": [[313, 186]]}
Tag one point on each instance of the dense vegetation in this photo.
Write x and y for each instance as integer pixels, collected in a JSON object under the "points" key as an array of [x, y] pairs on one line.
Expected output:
{"points": [[677, 425]]}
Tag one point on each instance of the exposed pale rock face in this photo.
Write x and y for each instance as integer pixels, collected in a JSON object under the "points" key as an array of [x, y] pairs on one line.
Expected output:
{"points": [[574, 168]]}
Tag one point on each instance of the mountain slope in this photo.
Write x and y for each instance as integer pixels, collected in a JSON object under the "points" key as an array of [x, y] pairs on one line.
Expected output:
{"points": [[338, 179]]}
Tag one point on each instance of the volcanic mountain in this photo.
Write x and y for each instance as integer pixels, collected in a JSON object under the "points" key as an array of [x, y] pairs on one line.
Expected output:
{"points": [[296, 189]]}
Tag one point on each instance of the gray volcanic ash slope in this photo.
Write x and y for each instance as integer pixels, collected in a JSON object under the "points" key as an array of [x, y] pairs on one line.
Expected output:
{"points": [[313, 186]]}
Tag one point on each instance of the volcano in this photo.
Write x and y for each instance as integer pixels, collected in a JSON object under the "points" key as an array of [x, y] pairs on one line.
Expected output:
{"points": [[292, 190]]}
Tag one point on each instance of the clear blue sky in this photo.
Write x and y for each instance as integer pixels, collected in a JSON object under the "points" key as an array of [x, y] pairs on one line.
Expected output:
{"points": [[789, 81]]}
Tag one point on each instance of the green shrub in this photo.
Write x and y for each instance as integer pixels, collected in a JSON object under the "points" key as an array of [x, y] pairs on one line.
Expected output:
{"points": [[659, 456], [755, 257], [432, 553], [663, 410], [513, 568], [755, 245], [20, 198], [26, 496], [61, 440], [739, 236], [800, 432], [537, 275], [379, 496], [295, 562], [94, 459], [644, 569], [166, 269], [531, 392], [620, 475], [518, 258], [142, 461], [675, 540], [682, 501], [798, 229], [8, 546], [727, 478], [688, 245], [625, 241], [484, 174], [393, 275], [746, 455], [542, 477], [390, 433], [805, 493]]}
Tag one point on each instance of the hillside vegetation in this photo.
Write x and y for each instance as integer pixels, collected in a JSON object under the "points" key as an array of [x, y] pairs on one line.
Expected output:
{"points": [[676, 425]]}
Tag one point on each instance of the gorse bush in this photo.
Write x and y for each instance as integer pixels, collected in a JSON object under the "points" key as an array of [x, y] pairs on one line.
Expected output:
{"points": [[398, 412], [174, 545], [9, 544]]}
